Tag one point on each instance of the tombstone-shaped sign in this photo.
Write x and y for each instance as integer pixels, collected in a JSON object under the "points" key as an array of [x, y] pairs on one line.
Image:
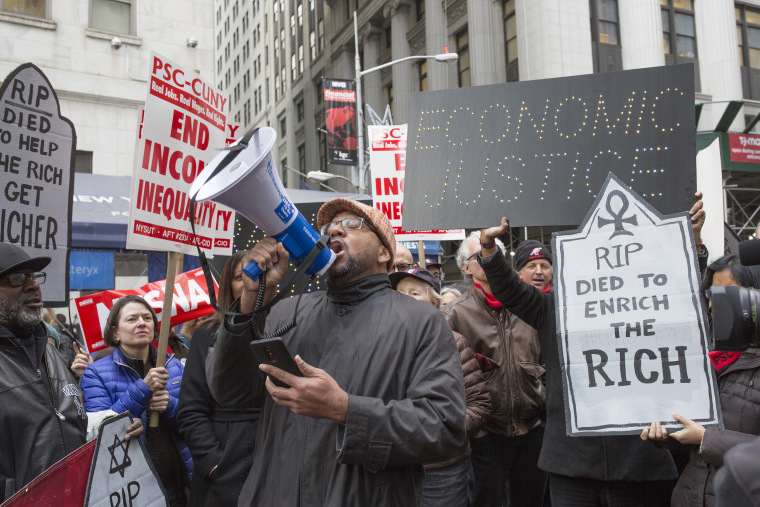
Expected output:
{"points": [[541, 149], [631, 327], [122, 474], [37, 147]]}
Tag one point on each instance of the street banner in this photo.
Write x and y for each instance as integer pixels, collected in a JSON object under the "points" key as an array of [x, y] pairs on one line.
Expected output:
{"points": [[182, 129], [387, 155], [538, 151], [90, 270], [340, 120], [744, 147], [631, 327], [37, 148], [64, 483], [190, 301], [121, 473]]}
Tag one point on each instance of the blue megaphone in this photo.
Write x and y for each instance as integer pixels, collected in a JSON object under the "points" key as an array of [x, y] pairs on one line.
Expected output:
{"points": [[250, 185]]}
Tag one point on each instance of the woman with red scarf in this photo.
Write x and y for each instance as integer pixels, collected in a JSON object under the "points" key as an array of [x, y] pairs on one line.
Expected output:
{"points": [[739, 390]]}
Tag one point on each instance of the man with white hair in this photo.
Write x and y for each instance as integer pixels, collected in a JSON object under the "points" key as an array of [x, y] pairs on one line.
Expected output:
{"points": [[505, 455]]}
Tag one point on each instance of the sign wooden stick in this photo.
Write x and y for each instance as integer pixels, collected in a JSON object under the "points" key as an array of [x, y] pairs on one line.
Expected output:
{"points": [[421, 254], [166, 313]]}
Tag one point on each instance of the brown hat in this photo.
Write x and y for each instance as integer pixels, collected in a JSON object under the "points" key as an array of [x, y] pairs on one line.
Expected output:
{"points": [[375, 217]]}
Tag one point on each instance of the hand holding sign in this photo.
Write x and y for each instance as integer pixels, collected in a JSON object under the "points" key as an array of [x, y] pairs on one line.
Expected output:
{"points": [[81, 361], [134, 430], [489, 235], [159, 402], [156, 379], [698, 216], [691, 434]]}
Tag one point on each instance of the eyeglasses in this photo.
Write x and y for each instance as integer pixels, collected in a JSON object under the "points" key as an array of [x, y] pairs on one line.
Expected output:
{"points": [[18, 279], [402, 266], [472, 256], [347, 223]]}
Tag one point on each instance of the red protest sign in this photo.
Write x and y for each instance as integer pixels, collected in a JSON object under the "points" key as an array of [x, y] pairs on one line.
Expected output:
{"points": [[190, 301], [64, 483]]}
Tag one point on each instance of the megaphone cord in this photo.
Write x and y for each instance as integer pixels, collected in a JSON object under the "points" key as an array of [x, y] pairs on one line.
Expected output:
{"points": [[258, 335]]}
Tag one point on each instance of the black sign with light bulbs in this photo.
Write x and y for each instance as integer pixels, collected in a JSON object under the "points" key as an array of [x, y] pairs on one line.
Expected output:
{"points": [[538, 151]]}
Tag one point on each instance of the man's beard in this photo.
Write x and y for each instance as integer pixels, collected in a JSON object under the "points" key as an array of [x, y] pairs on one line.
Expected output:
{"points": [[353, 268], [14, 315]]}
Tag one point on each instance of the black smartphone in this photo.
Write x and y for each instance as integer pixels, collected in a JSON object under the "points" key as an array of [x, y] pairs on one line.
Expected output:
{"points": [[273, 351]]}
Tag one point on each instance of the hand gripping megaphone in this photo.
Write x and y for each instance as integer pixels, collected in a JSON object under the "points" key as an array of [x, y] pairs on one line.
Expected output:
{"points": [[249, 184]]}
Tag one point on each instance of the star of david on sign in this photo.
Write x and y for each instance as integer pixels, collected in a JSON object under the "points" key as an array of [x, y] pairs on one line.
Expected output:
{"points": [[125, 461]]}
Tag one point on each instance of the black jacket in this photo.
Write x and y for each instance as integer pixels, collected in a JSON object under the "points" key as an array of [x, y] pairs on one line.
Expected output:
{"points": [[397, 360], [608, 458], [42, 414], [739, 390], [217, 437]]}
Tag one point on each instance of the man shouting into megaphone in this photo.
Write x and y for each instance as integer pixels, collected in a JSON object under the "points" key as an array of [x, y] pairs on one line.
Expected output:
{"points": [[381, 388]]}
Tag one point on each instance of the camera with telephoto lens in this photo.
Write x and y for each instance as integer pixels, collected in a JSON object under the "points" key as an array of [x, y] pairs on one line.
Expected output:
{"points": [[734, 325]]}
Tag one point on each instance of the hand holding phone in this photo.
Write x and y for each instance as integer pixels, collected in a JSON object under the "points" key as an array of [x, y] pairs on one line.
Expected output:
{"points": [[272, 351]]}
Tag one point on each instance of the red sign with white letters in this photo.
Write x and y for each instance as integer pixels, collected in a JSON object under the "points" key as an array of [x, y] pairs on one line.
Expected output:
{"points": [[190, 301], [744, 148]]}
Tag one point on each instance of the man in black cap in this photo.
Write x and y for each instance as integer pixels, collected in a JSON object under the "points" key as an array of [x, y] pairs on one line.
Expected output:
{"points": [[533, 262], [43, 416]]}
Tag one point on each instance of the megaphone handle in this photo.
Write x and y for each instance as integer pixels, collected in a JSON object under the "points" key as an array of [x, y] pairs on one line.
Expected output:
{"points": [[252, 270]]}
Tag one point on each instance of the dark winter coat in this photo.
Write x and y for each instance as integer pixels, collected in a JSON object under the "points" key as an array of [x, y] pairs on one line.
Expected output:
{"points": [[397, 360], [109, 384], [739, 391], [216, 437], [477, 400], [42, 414], [607, 458], [517, 391]]}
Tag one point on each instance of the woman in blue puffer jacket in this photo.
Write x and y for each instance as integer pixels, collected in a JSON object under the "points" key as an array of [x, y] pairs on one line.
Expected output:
{"points": [[130, 380]]}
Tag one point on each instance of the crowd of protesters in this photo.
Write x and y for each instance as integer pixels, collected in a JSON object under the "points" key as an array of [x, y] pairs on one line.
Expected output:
{"points": [[409, 393]]}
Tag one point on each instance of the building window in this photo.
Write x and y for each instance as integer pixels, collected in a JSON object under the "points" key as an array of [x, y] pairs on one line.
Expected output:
{"points": [[420, 9], [423, 76], [463, 64], [510, 40], [283, 128], [111, 15], [83, 162], [748, 34], [678, 35], [320, 92], [293, 68], [34, 8], [299, 111], [321, 35], [322, 153], [300, 59], [605, 35], [302, 158], [300, 15], [285, 171], [313, 45]]}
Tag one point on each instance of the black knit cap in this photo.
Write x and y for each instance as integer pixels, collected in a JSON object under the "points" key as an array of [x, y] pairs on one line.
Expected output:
{"points": [[530, 250]]}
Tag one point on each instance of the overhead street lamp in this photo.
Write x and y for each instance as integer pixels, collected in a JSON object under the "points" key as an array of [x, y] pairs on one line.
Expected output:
{"points": [[443, 57], [323, 176]]}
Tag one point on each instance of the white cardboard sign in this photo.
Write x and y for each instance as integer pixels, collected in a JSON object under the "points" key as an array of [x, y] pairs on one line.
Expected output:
{"points": [[387, 144], [37, 147], [183, 128], [122, 474], [631, 328]]}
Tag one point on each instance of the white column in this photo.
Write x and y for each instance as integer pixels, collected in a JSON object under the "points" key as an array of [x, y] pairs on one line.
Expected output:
{"points": [[372, 86], [398, 11], [482, 39], [435, 39], [717, 50], [553, 38], [499, 50], [641, 33]]}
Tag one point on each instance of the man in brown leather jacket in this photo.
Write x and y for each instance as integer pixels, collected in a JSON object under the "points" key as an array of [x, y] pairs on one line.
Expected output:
{"points": [[505, 455]]}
